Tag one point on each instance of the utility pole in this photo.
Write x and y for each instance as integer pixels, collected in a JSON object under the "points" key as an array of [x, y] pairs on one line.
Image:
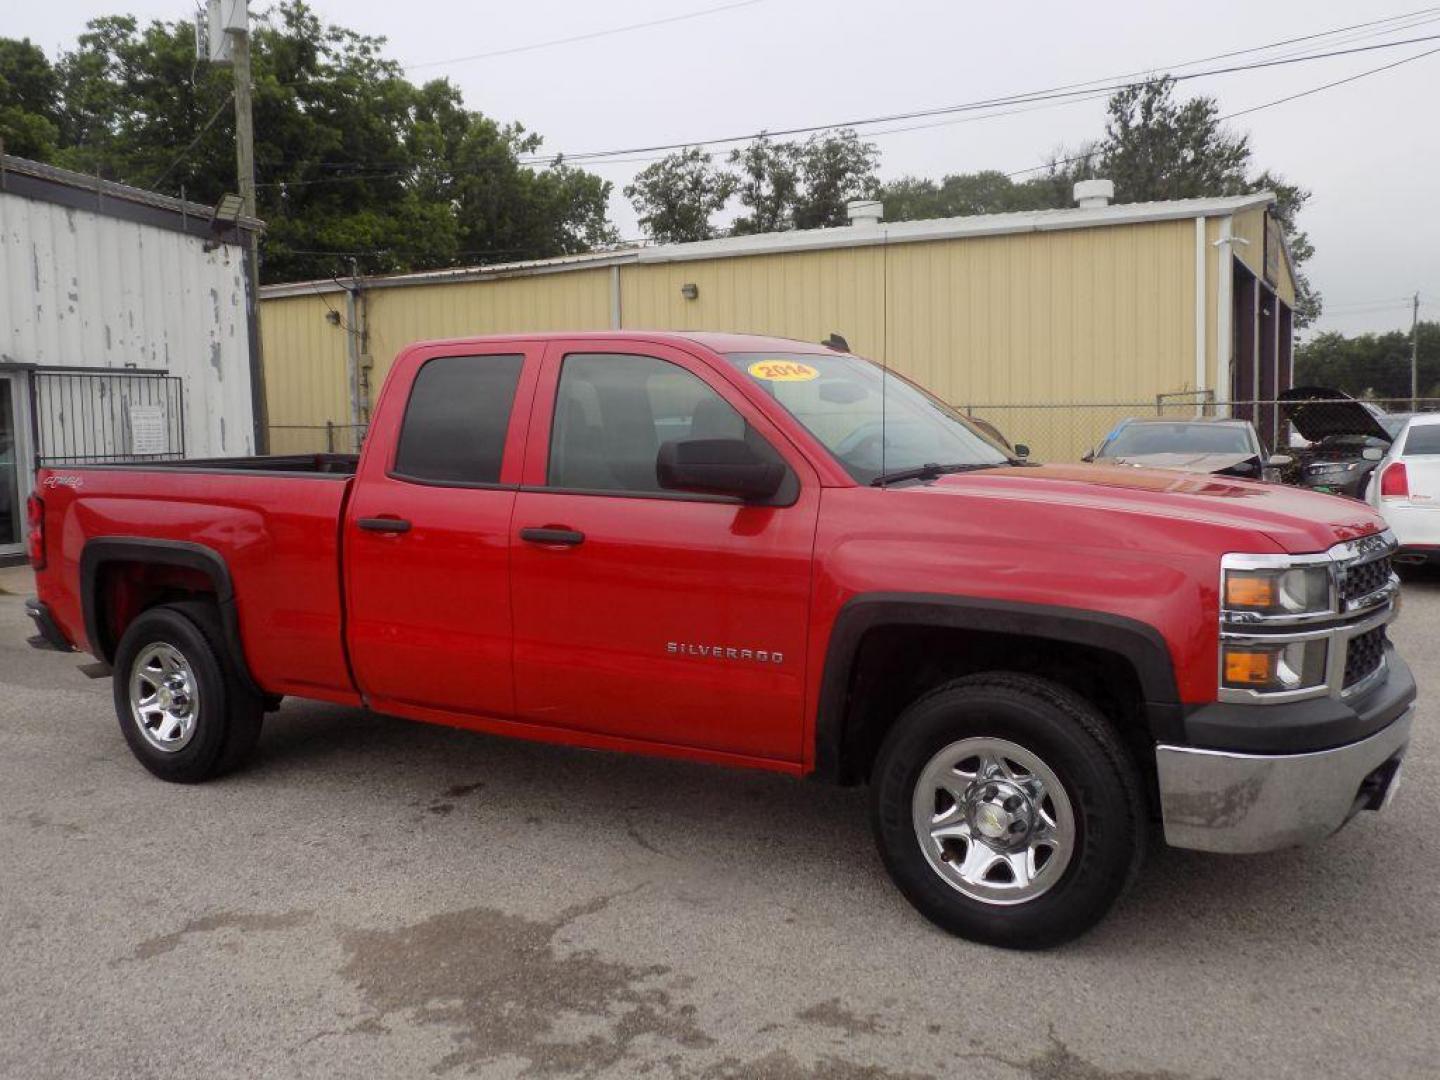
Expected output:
{"points": [[1415, 353], [223, 37], [245, 174], [244, 125]]}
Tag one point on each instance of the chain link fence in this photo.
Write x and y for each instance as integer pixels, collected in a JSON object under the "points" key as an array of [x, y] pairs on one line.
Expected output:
{"points": [[316, 438], [1059, 432], [1054, 431]]}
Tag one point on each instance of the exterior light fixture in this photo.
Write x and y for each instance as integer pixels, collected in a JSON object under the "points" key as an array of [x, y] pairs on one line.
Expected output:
{"points": [[689, 291], [227, 210]]}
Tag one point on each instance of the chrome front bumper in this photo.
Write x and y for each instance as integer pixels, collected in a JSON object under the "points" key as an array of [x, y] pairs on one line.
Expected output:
{"points": [[1218, 800]]}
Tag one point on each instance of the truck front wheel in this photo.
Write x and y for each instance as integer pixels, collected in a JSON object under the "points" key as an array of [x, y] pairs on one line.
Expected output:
{"points": [[183, 709], [1007, 810]]}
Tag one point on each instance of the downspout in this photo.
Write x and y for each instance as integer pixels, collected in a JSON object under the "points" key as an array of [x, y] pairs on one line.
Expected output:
{"points": [[616, 316], [1224, 313], [352, 353], [1200, 296], [259, 401]]}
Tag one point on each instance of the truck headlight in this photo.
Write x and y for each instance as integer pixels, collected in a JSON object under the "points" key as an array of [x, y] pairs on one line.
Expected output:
{"points": [[1296, 590], [1294, 665]]}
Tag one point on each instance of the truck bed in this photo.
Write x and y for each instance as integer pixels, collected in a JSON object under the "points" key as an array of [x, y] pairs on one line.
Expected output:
{"points": [[274, 521]]}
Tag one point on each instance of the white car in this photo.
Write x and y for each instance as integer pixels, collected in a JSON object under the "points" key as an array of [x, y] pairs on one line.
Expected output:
{"points": [[1405, 488]]}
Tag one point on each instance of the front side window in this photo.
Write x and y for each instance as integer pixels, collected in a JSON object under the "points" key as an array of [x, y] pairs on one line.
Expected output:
{"points": [[872, 423], [613, 412], [457, 418]]}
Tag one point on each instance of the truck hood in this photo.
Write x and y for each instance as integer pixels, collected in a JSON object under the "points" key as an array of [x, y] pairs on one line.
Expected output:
{"points": [[1318, 412], [1296, 520]]}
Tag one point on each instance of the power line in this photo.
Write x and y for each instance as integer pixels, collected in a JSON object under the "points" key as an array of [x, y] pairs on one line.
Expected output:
{"points": [[1254, 108], [1331, 85], [1033, 98], [1423, 15], [583, 37], [1030, 97], [987, 103], [193, 142]]}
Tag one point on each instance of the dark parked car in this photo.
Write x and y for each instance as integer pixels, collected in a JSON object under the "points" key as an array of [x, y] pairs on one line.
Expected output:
{"points": [[1228, 447], [1346, 440]]}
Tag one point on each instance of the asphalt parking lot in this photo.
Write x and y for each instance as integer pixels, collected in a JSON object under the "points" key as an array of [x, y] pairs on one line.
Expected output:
{"points": [[375, 898]]}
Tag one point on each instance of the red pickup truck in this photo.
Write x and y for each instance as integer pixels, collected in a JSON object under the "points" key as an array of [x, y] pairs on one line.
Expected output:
{"points": [[761, 552]]}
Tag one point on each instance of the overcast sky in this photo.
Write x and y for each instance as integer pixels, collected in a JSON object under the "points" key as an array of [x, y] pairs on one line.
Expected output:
{"points": [[1368, 150]]}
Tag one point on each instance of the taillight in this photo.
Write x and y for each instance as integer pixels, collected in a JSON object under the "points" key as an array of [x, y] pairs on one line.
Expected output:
{"points": [[35, 518], [1394, 483]]}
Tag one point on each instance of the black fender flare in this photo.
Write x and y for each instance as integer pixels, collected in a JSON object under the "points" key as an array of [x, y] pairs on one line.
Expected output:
{"points": [[102, 551], [1137, 642]]}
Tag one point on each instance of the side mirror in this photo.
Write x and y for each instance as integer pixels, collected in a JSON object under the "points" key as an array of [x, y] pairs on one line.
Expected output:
{"points": [[1372, 453], [718, 467], [1280, 461], [1021, 450]]}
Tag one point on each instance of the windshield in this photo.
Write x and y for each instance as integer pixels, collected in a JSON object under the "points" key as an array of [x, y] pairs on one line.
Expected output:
{"points": [[837, 397], [1133, 440]]}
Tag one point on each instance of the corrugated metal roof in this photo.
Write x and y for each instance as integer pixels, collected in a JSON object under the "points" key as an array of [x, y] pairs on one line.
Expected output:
{"points": [[900, 232], [108, 189]]}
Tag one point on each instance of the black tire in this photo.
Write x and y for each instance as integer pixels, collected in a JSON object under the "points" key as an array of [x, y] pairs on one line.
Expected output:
{"points": [[227, 720], [1077, 744]]}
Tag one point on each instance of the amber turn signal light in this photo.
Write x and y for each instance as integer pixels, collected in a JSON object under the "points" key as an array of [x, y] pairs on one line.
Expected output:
{"points": [[1244, 591], [1249, 668]]}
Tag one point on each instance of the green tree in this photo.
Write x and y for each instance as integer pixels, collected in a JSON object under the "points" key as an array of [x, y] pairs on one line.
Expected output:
{"points": [[677, 195], [1371, 365], [987, 192], [802, 185], [29, 100], [767, 181], [355, 164], [834, 168], [1158, 148]]}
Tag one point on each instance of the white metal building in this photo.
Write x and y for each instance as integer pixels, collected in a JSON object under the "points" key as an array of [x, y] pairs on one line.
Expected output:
{"points": [[127, 329]]}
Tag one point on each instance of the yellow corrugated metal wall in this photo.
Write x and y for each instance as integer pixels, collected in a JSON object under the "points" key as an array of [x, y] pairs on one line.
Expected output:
{"points": [[1079, 315], [1083, 315], [306, 377], [1250, 226], [573, 300], [806, 295]]}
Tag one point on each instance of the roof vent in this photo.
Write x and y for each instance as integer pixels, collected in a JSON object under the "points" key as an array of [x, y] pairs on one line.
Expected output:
{"points": [[1092, 193], [864, 211]]}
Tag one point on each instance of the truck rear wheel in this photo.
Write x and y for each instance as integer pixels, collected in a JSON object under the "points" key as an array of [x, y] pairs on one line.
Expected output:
{"points": [[1007, 810], [183, 709]]}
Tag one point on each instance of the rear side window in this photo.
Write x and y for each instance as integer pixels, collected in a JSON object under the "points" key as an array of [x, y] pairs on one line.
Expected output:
{"points": [[1423, 439], [456, 419]]}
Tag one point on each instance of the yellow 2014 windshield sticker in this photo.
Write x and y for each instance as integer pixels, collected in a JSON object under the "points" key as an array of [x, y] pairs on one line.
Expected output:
{"points": [[783, 371]]}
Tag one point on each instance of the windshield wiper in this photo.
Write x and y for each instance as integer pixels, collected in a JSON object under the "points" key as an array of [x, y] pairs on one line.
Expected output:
{"points": [[931, 470]]}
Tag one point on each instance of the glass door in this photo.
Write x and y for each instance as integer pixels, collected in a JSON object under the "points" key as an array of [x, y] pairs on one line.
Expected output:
{"points": [[12, 513]]}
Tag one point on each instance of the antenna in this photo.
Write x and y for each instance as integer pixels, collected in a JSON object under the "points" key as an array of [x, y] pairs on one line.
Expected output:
{"points": [[884, 339]]}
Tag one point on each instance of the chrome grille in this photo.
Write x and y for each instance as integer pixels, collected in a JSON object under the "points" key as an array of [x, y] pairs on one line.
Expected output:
{"points": [[1365, 654], [1360, 580]]}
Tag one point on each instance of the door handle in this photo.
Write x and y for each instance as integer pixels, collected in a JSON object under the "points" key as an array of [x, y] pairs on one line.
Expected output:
{"points": [[554, 535], [384, 525]]}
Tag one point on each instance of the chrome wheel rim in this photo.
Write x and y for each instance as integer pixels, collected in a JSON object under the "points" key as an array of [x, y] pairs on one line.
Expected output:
{"points": [[164, 697], [993, 820]]}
